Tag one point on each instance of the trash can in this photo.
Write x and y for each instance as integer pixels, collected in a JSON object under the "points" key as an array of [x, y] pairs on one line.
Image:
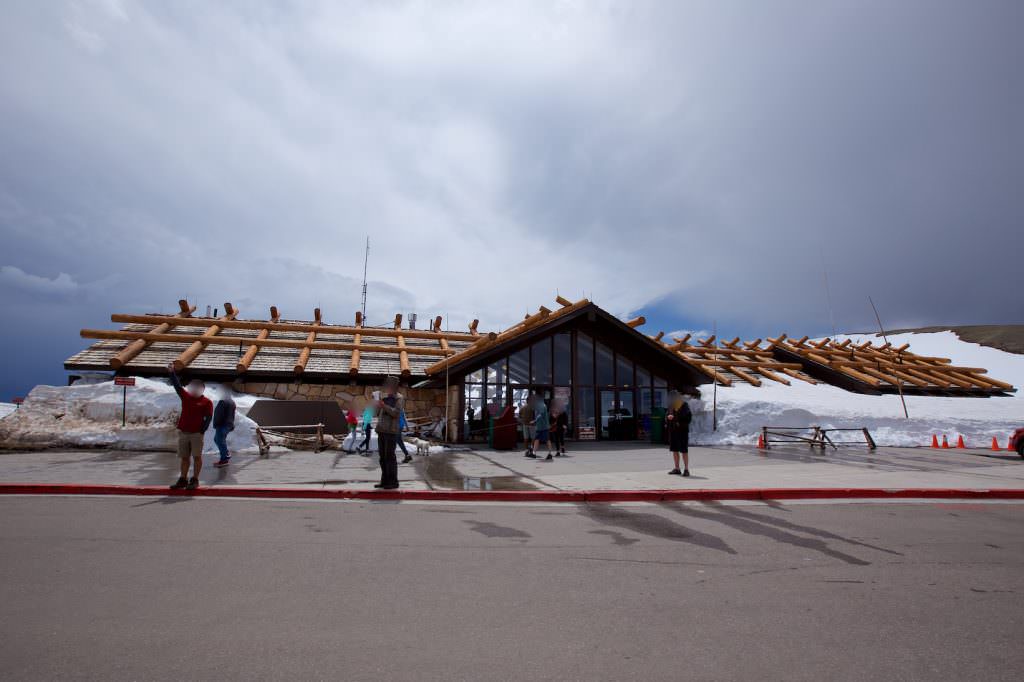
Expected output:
{"points": [[658, 425]]}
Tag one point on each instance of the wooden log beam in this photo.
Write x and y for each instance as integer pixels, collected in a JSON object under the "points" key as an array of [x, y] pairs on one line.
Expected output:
{"points": [[657, 337], [252, 341], [717, 376], [193, 351], [126, 354], [303, 359], [437, 324], [751, 364], [302, 327], [250, 354], [754, 345], [353, 364], [403, 357], [636, 322], [398, 320], [359, 318], [749, 378], [773, 376], [563, 301], [473, 326]]}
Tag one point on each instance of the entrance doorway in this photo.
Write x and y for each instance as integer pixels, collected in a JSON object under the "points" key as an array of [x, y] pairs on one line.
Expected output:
{"points": [[618, 418]]}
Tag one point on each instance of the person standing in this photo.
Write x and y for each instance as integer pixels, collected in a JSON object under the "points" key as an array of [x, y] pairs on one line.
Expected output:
{"points": [[389, 410], [353, 422], [677, 421], [559, 428], [526, 416], [401, 436], [195, 418], [223, 424], [542, 425], [368, 413]]}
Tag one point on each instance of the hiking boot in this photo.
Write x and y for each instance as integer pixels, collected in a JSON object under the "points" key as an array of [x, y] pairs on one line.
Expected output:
{"points": [[407, 459], [181, 483], [193, 483], [531, 455], [548, 458], [686, 472], [222, 462], [675, 472], [378, 485]]}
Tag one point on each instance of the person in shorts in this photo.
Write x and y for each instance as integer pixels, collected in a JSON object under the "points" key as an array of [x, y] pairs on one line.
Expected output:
{"points": [[195, 418], [529, 429]]}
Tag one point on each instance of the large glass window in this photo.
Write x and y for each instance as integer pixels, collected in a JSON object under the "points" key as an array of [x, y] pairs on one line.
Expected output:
{"points": [[519, 367], [643, 377], [585, 398], [623, 372], [584, 360], [563, 358], [497, 371], [605, 366], [541, 352]]}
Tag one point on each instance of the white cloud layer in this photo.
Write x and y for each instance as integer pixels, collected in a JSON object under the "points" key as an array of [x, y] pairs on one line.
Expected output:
{"points": [[711, 157]]}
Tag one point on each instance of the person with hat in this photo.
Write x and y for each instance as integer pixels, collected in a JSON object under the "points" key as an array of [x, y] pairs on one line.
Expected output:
{"points": [[389, 414], [677, 422]]}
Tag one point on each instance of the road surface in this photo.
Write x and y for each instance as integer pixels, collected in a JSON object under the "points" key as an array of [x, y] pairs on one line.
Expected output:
{"points": [[172, 589]]}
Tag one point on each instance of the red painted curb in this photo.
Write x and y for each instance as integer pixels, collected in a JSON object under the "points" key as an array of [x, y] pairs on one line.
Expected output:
{"points": [[522, 495]]}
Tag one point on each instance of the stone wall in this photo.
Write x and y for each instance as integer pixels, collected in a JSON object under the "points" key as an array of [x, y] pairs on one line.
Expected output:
{"points": [[419, 402]]}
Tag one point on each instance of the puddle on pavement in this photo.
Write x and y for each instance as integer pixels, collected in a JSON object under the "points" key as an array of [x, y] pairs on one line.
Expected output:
{"points": [[439, 472]]}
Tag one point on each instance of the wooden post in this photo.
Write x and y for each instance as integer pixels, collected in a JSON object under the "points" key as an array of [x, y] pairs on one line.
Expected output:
{"points": [[135, 347], [300, 364], [398, 320], [250, 354], [403, 357], [197, 347], [636, 321]]}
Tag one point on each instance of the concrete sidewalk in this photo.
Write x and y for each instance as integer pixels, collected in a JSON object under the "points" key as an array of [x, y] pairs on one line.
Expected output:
{"points": [[591, 466]]}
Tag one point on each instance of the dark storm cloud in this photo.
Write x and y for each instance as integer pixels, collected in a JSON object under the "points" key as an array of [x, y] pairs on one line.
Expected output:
{"points": [[710, 161]]}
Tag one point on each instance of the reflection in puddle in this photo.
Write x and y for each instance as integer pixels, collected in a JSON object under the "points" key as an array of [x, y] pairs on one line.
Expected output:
{"points": [[439, 472]]}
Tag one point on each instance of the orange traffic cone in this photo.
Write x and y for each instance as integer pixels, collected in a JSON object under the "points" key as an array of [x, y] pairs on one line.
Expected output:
{"points": [[945, 443], [760, 442], [960, 442], [995, 444], [935, 441]]}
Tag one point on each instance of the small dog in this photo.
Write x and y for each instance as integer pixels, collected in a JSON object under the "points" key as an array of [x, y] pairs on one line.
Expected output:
{"points": [[422, 446]]}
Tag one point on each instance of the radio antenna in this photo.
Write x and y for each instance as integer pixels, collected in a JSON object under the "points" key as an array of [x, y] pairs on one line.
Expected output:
{"points": [[366, 262]]}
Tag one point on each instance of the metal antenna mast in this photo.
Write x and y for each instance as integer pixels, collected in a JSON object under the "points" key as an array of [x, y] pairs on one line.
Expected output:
{"points": [[366, 261]]}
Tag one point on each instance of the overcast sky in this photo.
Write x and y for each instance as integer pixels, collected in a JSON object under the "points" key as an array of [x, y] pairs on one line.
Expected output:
{"points": [[705, 163]]}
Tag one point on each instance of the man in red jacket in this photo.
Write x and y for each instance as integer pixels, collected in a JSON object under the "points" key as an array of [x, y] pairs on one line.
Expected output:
{"points": [[196, 414]]}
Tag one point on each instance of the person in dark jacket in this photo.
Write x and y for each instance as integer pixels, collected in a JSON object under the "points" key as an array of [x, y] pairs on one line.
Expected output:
{"points": [[559, 427], [389, 413], [677, 422], [223, 424], [196, 414]]}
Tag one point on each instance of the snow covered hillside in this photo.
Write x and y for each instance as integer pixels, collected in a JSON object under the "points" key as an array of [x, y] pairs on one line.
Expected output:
{"points": [[89, 415], [744, 409]]}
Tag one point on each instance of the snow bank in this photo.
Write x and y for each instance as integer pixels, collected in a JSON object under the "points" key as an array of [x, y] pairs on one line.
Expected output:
{"points": [[744, 409], [6, 409], [88, 414]]}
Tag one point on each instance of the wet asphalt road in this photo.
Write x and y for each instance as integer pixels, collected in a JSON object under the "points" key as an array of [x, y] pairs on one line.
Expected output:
{"points": [[172, 589]]}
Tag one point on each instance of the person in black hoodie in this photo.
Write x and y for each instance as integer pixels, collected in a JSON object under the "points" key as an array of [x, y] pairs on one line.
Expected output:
{"points": [[677, 421], [223, 424]]}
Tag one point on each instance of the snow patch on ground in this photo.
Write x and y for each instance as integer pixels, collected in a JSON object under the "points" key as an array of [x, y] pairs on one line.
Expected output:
{"points": [[88, 414], [6, 409], [744, 409]]}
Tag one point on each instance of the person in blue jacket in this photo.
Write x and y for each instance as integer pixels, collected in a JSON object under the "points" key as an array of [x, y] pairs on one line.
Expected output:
{"points": [[401, 440]]}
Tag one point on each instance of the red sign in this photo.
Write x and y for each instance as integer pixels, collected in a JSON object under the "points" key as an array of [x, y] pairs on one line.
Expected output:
{"points": [[17, 401], [124, 381]]}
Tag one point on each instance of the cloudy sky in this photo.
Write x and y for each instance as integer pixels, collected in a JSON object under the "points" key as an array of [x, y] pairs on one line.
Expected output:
{"points": [[705, 163]]}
